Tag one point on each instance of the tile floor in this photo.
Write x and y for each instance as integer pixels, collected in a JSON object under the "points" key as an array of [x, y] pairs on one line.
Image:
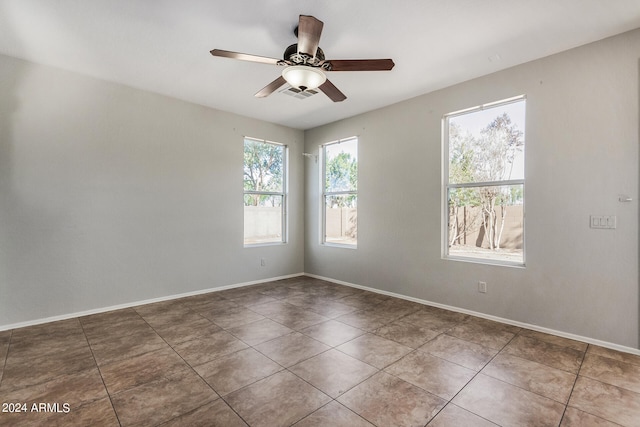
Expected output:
{"points": [[306, 352]]}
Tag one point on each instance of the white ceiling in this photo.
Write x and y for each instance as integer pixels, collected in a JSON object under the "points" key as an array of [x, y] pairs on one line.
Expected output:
{"points": [[163, 45]]}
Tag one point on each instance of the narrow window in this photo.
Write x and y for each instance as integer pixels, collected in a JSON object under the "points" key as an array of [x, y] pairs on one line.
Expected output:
{"points": [[265, 179], [340, 192], [484, 183]]}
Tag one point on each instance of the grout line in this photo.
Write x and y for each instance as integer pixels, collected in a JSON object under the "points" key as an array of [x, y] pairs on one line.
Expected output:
{"points": [[194, 371], [99, 371], [6, 356], [584, 355]]}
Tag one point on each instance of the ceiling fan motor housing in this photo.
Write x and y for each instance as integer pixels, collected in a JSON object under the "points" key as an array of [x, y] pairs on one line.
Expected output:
{"points": [[292, 55]]}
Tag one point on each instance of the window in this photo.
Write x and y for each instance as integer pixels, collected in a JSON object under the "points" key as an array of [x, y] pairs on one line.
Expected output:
{"points": [[265, 168], [484, 183], [340, 192]]}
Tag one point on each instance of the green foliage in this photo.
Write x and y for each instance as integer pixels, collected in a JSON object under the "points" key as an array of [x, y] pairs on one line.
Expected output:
{"points": [[341, 175], [263, 170]]}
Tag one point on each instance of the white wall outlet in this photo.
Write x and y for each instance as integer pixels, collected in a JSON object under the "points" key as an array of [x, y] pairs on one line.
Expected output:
{"points": [[482, 287], [263, 262]]}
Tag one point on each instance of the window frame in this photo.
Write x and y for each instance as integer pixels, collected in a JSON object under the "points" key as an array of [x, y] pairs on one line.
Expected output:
{"points": [[447, 186], [283, 193], [324, 193]]}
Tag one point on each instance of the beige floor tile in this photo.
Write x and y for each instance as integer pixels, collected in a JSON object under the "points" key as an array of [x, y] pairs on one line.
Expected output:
{"points": [[368, 320], [276, 308], [53, 330], [161, 363], [633, 359], [606, 401], [434, 320], [259, 331], [556, 356], [137, 370], [232, 317], [159, 319], [295, 400], [238, 292], [162, 400], [196, 300], [4, 350], [214, 414], [125, 346], [374, 350], [430, 373], [332, 332], [464, 353], [187, 330], [46, 340], [532, 376], [455, 416], [577, 418], [322, 305], [333, 372], [611, 371], [104, 331], [109, 318], [170, 308], [253, 299], [363, 300], [505, 404], [76, 389], [20, 371], [299, 318], [553, 339], [290, 349], [96, 413], [334, 415], [229, 373], [205, 349], [385, 400], [406, 333], [208, 308], [483, 333]]}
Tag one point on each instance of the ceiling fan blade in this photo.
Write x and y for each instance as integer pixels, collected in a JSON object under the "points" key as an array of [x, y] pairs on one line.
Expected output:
{"points": [[332, 92], [309, 31], [271, 87], [360, 64], [245, 57]]}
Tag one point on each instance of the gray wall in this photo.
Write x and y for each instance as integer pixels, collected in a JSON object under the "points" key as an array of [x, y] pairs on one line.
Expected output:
{"points": [[581, 154], [110, 195]]}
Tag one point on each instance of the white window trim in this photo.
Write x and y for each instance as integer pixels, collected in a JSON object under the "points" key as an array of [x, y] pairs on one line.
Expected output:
{"points": [[446, 187], [284, 194]]}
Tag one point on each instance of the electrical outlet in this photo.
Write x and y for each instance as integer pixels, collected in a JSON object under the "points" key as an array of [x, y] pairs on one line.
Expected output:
{"points": [[263, 262], [482, 287], [602, 221]]}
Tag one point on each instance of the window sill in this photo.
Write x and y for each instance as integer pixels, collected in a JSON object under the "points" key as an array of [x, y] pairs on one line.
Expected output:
{"points": [[485, 261], [258, 245], [339, 245]]}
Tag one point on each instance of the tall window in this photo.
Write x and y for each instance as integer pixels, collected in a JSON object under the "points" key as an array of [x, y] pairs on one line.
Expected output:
{"points": [[484, 183], [265, 169], [340, 192]]}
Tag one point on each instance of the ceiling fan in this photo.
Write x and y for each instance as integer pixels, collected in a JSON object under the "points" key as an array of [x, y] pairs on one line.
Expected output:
{"points": [[305, 64]]}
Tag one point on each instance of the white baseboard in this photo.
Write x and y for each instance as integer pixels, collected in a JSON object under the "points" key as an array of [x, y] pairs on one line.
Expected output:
{"points": [[137, 303], [562, 334]]}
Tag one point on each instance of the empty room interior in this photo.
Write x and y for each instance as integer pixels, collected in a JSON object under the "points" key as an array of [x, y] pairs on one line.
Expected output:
{"points": [[421, 213]]}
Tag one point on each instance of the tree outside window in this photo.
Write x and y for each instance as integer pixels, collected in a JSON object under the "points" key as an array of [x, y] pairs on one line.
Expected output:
{"points": [[340, 192], [485, 182], [264, 192]]}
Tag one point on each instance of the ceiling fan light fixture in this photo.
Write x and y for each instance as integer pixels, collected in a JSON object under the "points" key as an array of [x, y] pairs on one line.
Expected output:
{"points": [[304, 77]]}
